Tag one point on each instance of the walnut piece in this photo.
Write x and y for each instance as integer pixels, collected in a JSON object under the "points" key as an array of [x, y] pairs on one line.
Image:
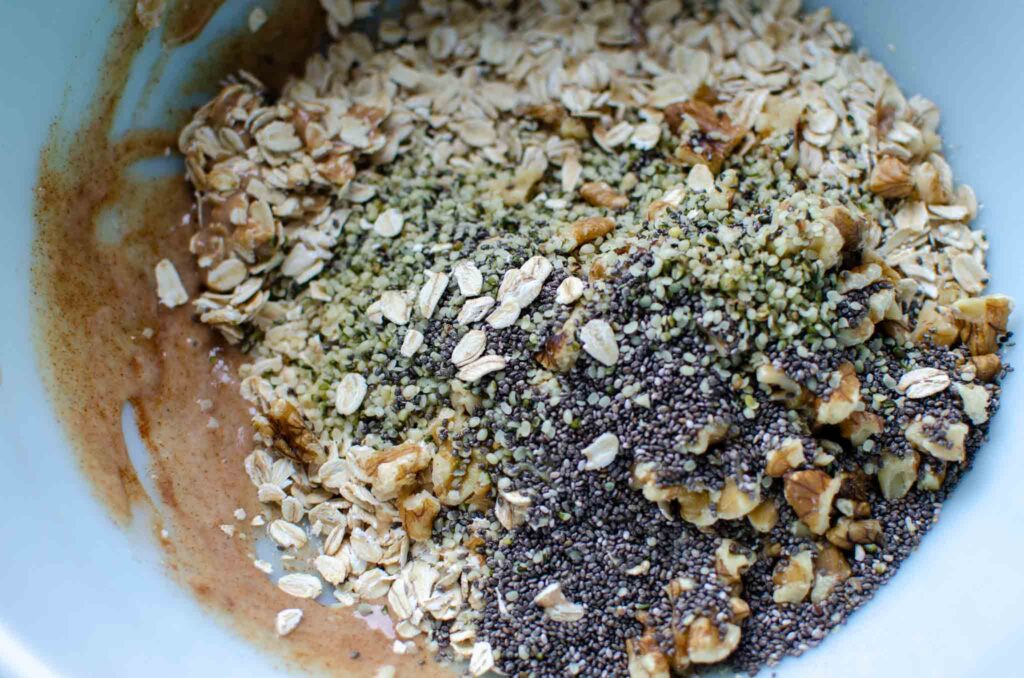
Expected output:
{"points": [[417, 512], [706, 136], [764, 517], [830, 570], [860, 426], [785, 458], [600, 194], [394, 469], [986, 367], [646, 660], [588, 229], [935, 324], [843, 399], [793, 579], [733, 503], [891, 178], [942, 441], [811, 494], [731, 562], [706, 646], [983, 321], [292, 436], [897, 474]]}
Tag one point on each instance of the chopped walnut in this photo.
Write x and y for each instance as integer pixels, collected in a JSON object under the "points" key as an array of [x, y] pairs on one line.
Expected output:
{"points": [[897, 474], [851, 229], [600, 194], [843, 399], [646, 660], [395, 468], [975, 400], [706, 136], [695, 507], [734, 503], [891, 178], [986, 367], [417, 512], [588, 229], [983, 321], [810, 494], [786, 457], [705, 645], [830, 570], [731, 562], [793, 579], [941, 440], [292, 435], [780, 386], [860, 426], [764, 517], [932, 477], [935, 324], [560, 350]]}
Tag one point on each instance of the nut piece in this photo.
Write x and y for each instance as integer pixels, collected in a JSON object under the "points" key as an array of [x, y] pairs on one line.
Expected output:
{"points": [[786, 457], [292, 437], [560, 350], [646, 660], [843, 399], [734, 503], [731, 563], [780, 386], [707, 137], [850, 229], [935, 324], [860, 426], [923, 382], [986, 367], [897, 474], [394, 469], [589, 229], [932, 477], [864, 531], [810, 494], [983, 321], [975, 399], [830, 569], [793, 579], [764, 517], [891, 178], [600, 194], [942, 441], [417, 512], [706, 646], [695, 507]]}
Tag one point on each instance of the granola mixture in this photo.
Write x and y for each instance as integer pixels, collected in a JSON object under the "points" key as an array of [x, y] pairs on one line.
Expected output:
{"points": [[594, 339]]}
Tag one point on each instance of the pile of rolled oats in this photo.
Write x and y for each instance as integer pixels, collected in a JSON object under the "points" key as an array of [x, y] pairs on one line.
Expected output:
{"points": [[595, 339]]}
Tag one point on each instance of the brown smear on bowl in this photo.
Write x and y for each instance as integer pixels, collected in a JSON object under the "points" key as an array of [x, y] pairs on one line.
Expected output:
{"points": [[103, 342]]}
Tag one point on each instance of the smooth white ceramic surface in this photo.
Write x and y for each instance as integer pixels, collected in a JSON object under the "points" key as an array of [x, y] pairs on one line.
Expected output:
{"points": [[80, 597]]}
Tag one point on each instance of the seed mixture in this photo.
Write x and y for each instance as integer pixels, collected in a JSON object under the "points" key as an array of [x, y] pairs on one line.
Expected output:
{"points": [[594, 339]]}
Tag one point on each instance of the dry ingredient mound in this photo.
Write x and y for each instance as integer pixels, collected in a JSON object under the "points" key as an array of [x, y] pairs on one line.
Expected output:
{"points": [[594, 339]]}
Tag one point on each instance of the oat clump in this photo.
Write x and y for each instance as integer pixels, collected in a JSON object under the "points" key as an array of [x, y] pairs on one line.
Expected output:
{"points": [[596, 340]]}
